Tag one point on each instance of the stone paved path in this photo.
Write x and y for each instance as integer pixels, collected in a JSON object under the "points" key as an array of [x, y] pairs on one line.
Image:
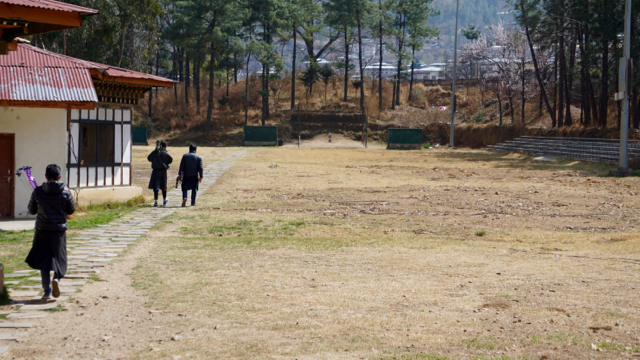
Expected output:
{"points": [[91, 252]]}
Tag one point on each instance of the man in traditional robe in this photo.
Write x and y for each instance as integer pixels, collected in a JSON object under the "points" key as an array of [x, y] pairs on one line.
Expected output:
{"points": [[191, 174], [51, 202], [160, 160]]}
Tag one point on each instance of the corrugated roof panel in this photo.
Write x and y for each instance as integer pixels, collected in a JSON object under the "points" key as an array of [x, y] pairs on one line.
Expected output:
{"points": [[51, 5], [33, 74], [32, 56], [46, 84]]}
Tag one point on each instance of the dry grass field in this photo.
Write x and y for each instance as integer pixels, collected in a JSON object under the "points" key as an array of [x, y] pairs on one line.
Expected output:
{"points": [[355, 253]]}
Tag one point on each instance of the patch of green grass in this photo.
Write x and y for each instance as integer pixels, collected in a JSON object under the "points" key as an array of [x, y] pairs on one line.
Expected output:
{"points": [[480, 233], [486, 343], [243, 229], [14, 247], [98, 214], [564, 338], [535, 339], [57, 309], [610, 346]]}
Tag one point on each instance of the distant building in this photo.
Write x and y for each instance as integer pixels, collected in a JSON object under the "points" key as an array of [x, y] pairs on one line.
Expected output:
{"points": [[388, 70], [435, 71]]}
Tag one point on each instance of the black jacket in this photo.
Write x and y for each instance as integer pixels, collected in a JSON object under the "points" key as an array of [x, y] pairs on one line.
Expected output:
{"points": [[160, 159], [52, 202], [191, 165]]}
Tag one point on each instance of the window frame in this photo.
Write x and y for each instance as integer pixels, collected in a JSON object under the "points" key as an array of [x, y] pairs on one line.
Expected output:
{"points": [[112, 122]]}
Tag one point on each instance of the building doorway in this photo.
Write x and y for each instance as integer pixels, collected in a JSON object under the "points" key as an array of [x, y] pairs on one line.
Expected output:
{"points": [[7, 177]]}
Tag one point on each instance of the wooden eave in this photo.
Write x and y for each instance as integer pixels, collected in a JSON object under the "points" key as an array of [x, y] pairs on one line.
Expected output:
{"points": [[39, 20], [49, 104], [100, 75]]}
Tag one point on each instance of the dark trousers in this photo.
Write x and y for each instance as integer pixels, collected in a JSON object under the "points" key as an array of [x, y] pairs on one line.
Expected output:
{"points": [[156, 191], [46, 280], [194, 192]]}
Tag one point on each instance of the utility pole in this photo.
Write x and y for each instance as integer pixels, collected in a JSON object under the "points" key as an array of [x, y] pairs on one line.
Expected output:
{"points": [[624, 82], [453, 84]]}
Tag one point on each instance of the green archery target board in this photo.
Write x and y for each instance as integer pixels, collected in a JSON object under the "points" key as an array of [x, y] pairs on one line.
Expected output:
{"points": [[404, 138], [260, 136]]}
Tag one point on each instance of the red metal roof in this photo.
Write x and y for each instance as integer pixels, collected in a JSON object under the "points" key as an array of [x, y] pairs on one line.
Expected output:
{"points": [[57, 84], [33, 74], [51, 5]]}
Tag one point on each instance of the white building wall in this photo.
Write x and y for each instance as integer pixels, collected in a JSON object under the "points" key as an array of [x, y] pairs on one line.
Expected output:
{"points": [[40, 140]]}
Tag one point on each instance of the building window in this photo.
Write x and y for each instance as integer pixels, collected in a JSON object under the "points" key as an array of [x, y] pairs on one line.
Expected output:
{"points": [[97, 143]]}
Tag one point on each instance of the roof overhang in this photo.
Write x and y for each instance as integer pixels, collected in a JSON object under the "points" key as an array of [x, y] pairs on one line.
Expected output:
{"points": [[50, 104], [29, 17], [121, 76]]}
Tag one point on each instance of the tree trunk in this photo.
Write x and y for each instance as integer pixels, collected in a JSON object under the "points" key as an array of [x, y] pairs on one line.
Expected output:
{"points": [[499, 106], [636, 107], [560, 81], [380, 65], [569, 76], [360, 55], [157, 67], [393, 95], [604, 84], [585, 105], [246, 84], [413, 64], [235, 68], [592, 100], [187, 80], [175, 74], [207, 126], [543, 90], [293, 70], [265, 99], [196, 83], [228, 68], [540, 105], [511, 107], [400, 47], [522, 94], [346, 64], [181, 64]]}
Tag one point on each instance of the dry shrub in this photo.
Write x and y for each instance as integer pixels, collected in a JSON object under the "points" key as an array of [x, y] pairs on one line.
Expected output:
{"points": [[418, 95], [437, 96]]}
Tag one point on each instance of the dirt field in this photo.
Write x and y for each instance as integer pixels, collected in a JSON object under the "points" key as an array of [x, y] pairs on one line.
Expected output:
{"points": [[352, 253]]}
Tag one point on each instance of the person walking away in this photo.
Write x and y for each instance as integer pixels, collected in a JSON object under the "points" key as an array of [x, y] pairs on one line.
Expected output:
{"points": [[160, 161], [51, 202], [191, 174]]}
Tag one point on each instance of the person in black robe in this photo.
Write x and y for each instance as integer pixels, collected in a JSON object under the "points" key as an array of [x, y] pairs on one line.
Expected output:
{"points": [[51, 202], [160, 160], [191, 173]]}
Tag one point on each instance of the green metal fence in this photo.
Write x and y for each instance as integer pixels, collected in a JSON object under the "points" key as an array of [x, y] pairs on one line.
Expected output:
{"points": [[404, 138], [260, 136], [139, 135]]}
